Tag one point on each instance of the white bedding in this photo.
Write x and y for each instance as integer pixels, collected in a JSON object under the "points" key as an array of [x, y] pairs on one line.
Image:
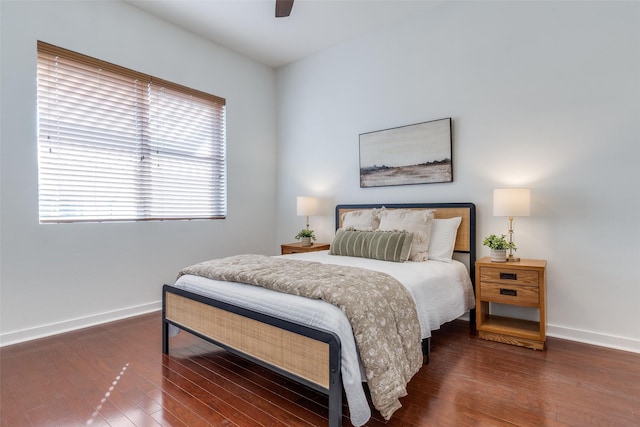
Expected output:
{"points": [[442, 292]]}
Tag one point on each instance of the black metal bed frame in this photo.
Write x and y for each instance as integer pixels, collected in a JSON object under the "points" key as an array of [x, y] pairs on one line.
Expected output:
{"points": [[335, 389], [335, 362]]}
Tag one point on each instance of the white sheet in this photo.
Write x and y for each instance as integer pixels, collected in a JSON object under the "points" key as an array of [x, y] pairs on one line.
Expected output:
{"points": [[438, 301], [442, 291]]}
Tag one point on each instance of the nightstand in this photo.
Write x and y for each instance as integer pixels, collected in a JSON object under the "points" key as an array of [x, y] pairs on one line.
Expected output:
{"points": [[513, 283], [295, 248]]}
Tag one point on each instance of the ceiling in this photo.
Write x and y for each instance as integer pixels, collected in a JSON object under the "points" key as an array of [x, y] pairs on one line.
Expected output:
{"points": [[250, 28]]}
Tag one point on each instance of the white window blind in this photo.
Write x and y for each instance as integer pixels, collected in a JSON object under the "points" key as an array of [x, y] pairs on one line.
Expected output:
{"points": [[117, 145]]}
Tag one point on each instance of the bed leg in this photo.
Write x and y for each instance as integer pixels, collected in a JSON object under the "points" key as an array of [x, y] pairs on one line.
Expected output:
{"points": [[335, 405], [472, 320], [165, 326], [335, 383], [426, 350], [165, 337]]}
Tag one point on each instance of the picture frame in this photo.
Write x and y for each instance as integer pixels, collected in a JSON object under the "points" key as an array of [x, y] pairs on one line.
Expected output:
{"points": [[420, 153]]}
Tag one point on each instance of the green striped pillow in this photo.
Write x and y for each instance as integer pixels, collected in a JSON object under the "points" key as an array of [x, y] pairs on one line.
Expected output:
{"points": [[383, 245]]}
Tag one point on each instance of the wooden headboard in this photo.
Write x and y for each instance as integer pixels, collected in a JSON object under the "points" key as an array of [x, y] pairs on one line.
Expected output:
{"points": [[465, 239]]}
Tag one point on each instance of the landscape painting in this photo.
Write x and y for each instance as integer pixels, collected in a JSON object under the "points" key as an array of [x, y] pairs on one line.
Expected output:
{"points": [[413, 154]]}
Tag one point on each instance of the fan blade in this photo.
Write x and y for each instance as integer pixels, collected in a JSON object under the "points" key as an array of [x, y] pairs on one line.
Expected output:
{"points": [[283, 8]]}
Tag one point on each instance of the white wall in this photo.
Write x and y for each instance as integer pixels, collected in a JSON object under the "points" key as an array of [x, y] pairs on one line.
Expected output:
{"points": [[57, 277], [542, 94]]}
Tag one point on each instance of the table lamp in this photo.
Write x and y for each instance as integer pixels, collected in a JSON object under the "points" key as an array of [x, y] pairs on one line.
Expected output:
{"points": [[511, 202], [307, 206]]}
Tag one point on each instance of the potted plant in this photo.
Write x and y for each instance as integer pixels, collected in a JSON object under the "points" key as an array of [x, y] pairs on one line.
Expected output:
{"points": [[498, 246], [305, 236]]}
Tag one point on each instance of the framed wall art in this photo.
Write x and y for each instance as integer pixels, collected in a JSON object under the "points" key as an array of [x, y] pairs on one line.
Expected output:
{"points": [[412, 154]]}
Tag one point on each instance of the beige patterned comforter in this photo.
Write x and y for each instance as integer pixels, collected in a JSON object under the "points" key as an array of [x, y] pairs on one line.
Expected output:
{"points": [[381, 311]]}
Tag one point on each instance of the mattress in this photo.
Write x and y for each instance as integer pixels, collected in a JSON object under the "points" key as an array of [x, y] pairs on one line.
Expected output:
{"points": [[442, 292]]}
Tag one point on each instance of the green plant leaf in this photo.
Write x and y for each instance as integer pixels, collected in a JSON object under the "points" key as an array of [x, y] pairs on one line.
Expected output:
{"points": [[305, 233], [495, 242]]}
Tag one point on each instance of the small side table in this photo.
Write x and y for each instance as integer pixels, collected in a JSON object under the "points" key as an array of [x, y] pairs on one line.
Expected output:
{"points": [[295, 248], [515, 283]]}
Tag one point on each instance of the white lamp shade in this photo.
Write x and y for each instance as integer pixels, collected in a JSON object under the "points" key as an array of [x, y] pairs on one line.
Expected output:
{"points": [[511, 201], [307, 206]]}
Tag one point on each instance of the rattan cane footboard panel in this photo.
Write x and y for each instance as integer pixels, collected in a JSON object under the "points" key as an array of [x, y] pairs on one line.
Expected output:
{"points": [[291, 352]]}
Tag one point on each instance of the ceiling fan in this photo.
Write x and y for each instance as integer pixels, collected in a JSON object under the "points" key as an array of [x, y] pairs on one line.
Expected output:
{"points": [[283, 8]]}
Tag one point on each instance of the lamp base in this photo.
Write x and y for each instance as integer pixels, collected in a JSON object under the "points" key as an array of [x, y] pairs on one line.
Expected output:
{"points": [[512, 258]]}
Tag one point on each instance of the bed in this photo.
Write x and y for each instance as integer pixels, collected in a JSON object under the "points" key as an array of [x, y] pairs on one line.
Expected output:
{"points": [[310, 340]]}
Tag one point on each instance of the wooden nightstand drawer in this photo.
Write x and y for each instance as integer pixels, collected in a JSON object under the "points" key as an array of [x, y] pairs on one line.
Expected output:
{"points": [[509, 276], [521, 283], [510, 294], [295, 248]]}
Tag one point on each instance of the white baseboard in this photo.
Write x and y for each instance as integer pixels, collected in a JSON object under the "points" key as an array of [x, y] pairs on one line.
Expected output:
{"points": [[594, 338], [587, 337], [74, 324]]}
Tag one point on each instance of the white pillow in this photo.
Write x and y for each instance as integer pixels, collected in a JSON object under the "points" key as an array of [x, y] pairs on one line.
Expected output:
{"points": [[361, 220], [443, 238], [416, 221]]}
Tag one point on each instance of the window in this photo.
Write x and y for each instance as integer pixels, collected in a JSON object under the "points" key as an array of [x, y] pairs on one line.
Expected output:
{"points": [[118, 145]]}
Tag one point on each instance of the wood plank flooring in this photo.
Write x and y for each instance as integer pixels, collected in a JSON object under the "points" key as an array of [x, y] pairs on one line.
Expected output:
{"points": [[116, 375]]}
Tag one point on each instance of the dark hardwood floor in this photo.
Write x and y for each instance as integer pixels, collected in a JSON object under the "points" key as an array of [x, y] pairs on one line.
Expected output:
{"points": [[116, 375]]}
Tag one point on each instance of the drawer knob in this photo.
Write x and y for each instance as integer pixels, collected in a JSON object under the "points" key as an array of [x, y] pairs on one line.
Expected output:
{"points": [[510, 292], [508, 276]]}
